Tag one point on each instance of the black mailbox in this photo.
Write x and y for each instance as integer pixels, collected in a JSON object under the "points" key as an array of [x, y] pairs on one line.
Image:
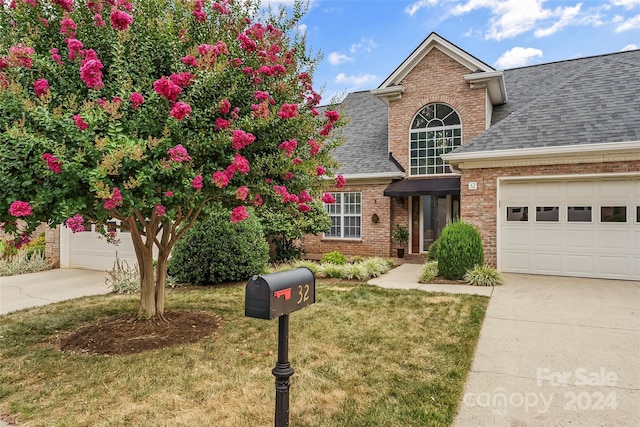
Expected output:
{"points": [[273, 295]]}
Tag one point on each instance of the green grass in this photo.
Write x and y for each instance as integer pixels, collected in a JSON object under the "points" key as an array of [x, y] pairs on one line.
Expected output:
{"points": [[363, 356]]}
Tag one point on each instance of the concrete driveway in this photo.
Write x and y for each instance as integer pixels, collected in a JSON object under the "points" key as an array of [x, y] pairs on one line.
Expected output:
{"points": [[557, 351], [45, 287]]}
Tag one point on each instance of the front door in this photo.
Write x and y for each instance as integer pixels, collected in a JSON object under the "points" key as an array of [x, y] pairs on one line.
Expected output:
{"points": [[429, 215]]}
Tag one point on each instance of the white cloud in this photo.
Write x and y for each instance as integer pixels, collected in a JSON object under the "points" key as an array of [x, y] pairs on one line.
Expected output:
{"points": [[518, 57], [513, 17], [567, 16], [416, 6], [357, 80], [364, 43], [629, 24], [336, 58], [629, 4], [302, 28], [629, 47]]}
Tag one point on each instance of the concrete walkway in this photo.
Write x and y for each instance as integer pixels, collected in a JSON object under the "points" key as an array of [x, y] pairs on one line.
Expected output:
{"points": [[35, 289]]}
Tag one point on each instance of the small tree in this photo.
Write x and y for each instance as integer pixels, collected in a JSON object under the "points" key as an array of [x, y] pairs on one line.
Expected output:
{"points": [[147, 110], [459, 249]]}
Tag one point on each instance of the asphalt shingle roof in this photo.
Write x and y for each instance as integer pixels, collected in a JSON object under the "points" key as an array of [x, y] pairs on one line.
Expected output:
{"points": [[581, 101], [365, 148]]}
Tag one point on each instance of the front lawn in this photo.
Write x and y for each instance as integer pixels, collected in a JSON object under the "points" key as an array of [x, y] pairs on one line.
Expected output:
{"points": [[363, 356]]}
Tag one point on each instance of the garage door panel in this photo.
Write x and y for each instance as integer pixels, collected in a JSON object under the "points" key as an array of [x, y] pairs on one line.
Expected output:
{"points": [[575, 241]]}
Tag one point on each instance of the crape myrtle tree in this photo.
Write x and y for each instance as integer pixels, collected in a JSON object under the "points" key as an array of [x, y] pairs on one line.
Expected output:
{"points": [[147, 110]]}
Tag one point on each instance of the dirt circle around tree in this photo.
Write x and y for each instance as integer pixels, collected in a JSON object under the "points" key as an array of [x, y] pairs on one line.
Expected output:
{"points": [[126, 334]]}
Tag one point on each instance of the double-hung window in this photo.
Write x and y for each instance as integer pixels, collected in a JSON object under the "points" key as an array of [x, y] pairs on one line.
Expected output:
{"points": [[435, 131], [345, 215]]}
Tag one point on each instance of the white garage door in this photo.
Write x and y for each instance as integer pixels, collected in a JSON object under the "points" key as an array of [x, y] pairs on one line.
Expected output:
{"points": [[89, 250], [582, 228]]}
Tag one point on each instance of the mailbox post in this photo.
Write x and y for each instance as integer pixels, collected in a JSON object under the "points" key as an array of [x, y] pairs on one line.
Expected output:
{"points": [[276, 295]]}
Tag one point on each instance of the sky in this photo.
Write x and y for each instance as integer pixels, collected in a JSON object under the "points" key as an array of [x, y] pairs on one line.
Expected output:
{"points": [[363, 41]]}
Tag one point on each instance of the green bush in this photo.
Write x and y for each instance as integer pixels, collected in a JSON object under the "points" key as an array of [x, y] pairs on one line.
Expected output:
{"points": [[429, 272], [334, 257], [432, 252], [333, 270], [21, 263], [483, 275], [216, 250], [459, 249], [123, 279]]}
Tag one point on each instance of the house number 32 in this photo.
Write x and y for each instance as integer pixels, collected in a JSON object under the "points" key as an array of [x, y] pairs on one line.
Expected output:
{"points": [[303, 293]]}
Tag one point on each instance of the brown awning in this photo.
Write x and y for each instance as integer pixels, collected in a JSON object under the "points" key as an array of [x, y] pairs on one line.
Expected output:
{"points": [[420, 187]]}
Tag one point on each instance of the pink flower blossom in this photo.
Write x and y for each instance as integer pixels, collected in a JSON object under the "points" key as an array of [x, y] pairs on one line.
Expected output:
{"points": [[74, 46], [53, 163], [288, 176], [314, 147], [198, 13], [241, 164], [303, 207], [326, 130], [20, 208], [64, 4], [79, 122], [178, 154], [328, 198], [242, 193], [168, 193], [189, 60], [115, 200], [90, 73], [305, 197], [40, 87], [20, 56], [166, 88], [225, 106], [241, 139], [95, 6], [260, 111], [297, 161], [230, 171], [256, 200], [290, 198], [136, 100], [288, 147], [182, 79], [44, 21], [261, 95], [239, 214], [180, 110], [222, 123], [55, 56], [288, 111], [332, 115], [280, 190], [340, 181], [75, 223], [161, 210], [197, 182], [221, 6], [120, 20], [98, 21], [68, 27], [220, 179], [320, 170]]}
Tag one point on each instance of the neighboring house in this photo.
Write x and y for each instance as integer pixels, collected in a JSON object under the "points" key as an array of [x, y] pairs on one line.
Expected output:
{"points": [[544, 160]]}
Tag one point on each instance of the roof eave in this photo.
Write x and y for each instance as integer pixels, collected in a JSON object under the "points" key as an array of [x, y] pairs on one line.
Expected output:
{"points": [[389, 93], [494, 81]]}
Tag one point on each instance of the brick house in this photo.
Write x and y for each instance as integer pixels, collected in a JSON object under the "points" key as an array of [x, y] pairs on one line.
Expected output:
{"points": [[544, 160]]}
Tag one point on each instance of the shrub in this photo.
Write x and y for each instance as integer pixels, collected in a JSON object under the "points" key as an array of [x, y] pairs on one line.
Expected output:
{"points": [[483, 275], [22, 263], [334, 257], [332, 270], [311, 265], [429, 272], [36, 245], [459, 249], [376, 266], [432, 252], [216, 250]]}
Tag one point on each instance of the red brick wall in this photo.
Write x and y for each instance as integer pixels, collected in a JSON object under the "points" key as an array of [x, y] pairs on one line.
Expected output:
{"points": [[438, 78], [478, 207]]}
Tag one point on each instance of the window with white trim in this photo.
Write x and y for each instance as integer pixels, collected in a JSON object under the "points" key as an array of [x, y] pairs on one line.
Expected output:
{"points": [[345, 215], [435, 131]]}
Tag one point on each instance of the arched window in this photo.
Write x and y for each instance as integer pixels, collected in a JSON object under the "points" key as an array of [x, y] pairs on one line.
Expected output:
{"points": [[435, 131]]}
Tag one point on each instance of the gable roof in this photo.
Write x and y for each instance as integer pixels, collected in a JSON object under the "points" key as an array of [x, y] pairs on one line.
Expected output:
{"points": [[579, 102], [365, 150]]}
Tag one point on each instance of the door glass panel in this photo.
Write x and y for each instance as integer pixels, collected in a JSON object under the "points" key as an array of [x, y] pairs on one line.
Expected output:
{"points": [[637, 213], [613, 214], [519, 213], [579, 214], [415, 224], [441, 215], [548, 213], [428, 223]]}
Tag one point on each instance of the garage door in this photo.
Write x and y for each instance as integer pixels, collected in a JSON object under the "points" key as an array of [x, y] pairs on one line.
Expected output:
{"points": [[91, 251], [582, 228]]}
